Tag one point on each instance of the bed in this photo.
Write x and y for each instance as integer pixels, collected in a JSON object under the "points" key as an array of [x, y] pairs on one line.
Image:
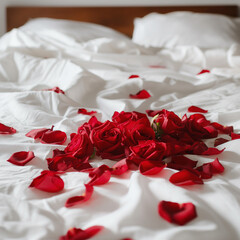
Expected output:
{"points": [[124, 125]]}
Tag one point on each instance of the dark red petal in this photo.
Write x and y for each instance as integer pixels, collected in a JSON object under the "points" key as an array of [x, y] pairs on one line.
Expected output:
{"points": [[220, 141], [6, 130], [100, 175], [140, 95], [212, 151], [180, 162], [150, 168], [235, 136], [185, 177], [21, 158], [177, 213], [56, 90], [53, 137], [120, 167], [48, 181], [79, 234], [79, 199], [196, 109], [133, 76], [36, 133], [203, 71], [208, 169], [85, 112]]}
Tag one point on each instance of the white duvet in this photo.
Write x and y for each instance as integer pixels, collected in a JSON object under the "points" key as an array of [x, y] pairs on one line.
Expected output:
{"points": [[94, 75]]}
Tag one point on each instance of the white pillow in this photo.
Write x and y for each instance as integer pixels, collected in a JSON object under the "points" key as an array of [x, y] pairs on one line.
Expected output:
{"points": [[186, 28], [80, 31]]}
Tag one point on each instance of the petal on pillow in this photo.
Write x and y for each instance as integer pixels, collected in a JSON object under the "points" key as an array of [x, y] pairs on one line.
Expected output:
{"points": [[143, 94], [203, 71], [79, 199], [133, 76], [178, 213], [85, 112], [21, 158], [79, 234], [6, 130], [48, 181], [185, 177], [150, 168], [197, 109], [120, 167]]}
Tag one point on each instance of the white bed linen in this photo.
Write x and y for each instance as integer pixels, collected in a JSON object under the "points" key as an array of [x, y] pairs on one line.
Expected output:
{"points": [[94, 75]]}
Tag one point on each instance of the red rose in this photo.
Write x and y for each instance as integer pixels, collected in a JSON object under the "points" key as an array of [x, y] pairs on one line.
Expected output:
{"points": [[125, 117], [135, 131], [167, 122], [107, 138], [199, 127], [88, 126], [80, 146], [148, 150]]}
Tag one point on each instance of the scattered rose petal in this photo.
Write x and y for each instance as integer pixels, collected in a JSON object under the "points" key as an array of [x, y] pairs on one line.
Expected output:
{"points": [[222, 129], [85, 112], [36, 133], [79, 199], [220, 141], [150, 167], [178, 213], [120, 167], [203, 71], [212, 151], [196, 109], [133, 76], [48, 136], [55, 89], [208, 169], [235, 136], [79, 234], [143, 94], [48, 181], [21, 158], [185, 177], [180, 162], [100, 175], [157, 66], [6, 130]]}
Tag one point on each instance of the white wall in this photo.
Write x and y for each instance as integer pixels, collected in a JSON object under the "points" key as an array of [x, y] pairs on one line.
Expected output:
{"points": [[5, 3]]}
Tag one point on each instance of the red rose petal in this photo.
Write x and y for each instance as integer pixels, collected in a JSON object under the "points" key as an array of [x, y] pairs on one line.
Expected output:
{"points": [[222, 129], [79, 234], [208, 169], [212, 151], [21, 158], [120, 167], [53, 137], [100, 175], [196, 109], [203, 71], [220, 141], [79, 199], [6, 130], [143, 94], [36, 133], [85, 112], [56, 90], [177, 213], [48, 181], [150, 168], [185, 177], [180, 162], [133, 76], [235, 136]]}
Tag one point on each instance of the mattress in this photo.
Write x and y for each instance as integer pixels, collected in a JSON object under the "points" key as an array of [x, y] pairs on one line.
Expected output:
{"points": [[52, 79]]}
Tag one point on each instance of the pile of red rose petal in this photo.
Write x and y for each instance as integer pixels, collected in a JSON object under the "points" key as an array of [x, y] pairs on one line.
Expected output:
{"points": [[134, 143]]}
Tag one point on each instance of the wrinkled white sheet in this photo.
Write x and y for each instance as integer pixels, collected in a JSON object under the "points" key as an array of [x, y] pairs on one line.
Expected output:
{"points": [[94, 75]]}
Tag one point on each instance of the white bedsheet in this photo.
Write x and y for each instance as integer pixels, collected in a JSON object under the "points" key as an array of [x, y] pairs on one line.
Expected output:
{"points": [[94, 75]]}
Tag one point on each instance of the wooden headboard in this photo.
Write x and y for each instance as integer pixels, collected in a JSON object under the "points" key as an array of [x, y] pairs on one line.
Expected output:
{"points": [[118, 18]]}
